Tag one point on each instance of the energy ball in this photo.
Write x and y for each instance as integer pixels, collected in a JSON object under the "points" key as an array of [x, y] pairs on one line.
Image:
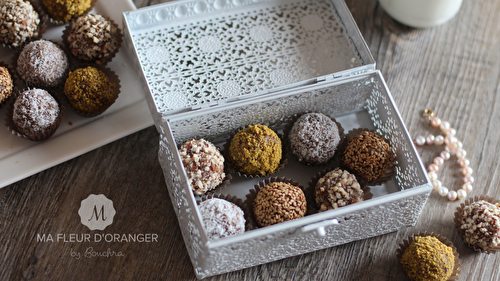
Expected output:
{"points": [[36, 114], [65, 10], [93, 38], [89, 91], [314, 138], [278, 202], [204, 165], [221, 218], [255, 150], [368, 155], [42, 64], [427, 258], [336, 189], [6, 84], [479, 224], [18, 22]]}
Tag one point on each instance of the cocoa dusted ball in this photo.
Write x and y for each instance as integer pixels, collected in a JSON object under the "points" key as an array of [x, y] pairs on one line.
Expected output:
{"points": [[255, 150], [42, 64], [279, 202], [204, 165], [314, 138], [221, 218], [479, 224], [336, 189], [36, 114], [6, 84], [18, 22], [367, 155]]}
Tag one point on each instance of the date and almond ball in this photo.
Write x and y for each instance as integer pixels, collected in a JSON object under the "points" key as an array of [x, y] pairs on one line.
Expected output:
{"points": [[221, 218], [336, 189], [89, 91], [479, 224], [36, 114], [18, 22], [367, 155], [255, 150], [204, 165], [279, 202], [93, 38], [66, 10], [314, 138], [6, 84], [42, 64], [427, 258]]}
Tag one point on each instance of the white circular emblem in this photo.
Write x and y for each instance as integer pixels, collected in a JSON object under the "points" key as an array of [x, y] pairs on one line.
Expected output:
{"points": [[96, 212]]}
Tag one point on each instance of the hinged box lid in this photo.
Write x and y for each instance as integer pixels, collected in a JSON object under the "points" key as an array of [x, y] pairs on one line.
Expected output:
{"points": [[196, 54]]}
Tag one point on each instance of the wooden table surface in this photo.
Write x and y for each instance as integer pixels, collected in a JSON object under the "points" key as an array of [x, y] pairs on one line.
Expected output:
{"points": [[453, 69]]}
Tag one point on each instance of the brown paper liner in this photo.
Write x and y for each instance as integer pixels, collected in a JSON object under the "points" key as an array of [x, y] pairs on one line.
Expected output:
{"points": [[15, 131], [41, 29], [225, 182], [57, 22], [232, 169], [315, 208], [288, 128], [98, 61], [5, 100], [406, 243], [390, 170], [456, 219], [113, 78], [252, 194], [233, 199], [48, 88]]}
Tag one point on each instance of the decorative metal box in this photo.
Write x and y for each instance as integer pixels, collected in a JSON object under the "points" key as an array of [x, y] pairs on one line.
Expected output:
{"points": [[213, 66]]}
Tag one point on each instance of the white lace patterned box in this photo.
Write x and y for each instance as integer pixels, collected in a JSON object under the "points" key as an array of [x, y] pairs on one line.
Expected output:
{"points": [[211, 67]]}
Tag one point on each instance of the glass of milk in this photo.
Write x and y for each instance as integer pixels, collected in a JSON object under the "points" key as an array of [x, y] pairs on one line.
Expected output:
{"points": [[421, 13]]}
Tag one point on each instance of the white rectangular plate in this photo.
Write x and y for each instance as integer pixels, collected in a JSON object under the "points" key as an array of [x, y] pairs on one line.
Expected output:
{"points": [[20, 158]]}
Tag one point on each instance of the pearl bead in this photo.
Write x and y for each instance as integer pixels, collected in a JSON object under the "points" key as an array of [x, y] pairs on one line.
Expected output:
{"points": [[452, 195], [444, 126], [429, 139], [420, 140], [461, 153], [467, 171], [449, 140], [469, 179], [438, 161], [451, 132], [459, 144], [432, 175], [445, 155], [439, 140], [461, 194], [443, 191], [436, 184], [451, 150], [463, 162], [433, 168], [467, 187], [435, 122]]}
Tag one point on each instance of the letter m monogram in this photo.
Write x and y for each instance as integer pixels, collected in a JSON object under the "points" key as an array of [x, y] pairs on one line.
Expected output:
{"points": [[98, 214]]}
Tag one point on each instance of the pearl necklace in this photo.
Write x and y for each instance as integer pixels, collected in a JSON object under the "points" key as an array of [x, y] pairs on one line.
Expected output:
{"points": [[453, 147]]}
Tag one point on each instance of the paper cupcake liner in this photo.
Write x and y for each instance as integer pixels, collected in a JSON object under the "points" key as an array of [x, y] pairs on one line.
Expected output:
{"points": [[233, 199], [456, 219], [98, 61], [406, 243], [252, 194], [41, 29], [315, 207], [14, 129], [288, 128], [4, 100], [58, 22], [232, 169], [390, 171], [113, 78], [25, 83]]}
